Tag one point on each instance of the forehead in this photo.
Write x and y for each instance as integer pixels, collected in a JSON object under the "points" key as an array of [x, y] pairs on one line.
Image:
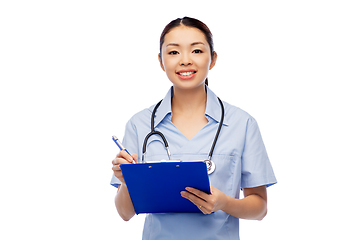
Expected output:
{"points": [[183, 35]]}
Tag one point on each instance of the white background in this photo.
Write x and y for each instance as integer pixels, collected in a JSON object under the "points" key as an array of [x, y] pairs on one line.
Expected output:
{"points": [[73, 72]]}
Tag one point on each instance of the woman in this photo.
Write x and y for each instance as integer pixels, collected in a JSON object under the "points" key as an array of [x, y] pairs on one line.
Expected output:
{"points": [[189, 116]]}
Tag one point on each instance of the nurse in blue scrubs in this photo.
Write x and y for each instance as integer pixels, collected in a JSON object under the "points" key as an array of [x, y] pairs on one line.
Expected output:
{"points": [[189, 116]]}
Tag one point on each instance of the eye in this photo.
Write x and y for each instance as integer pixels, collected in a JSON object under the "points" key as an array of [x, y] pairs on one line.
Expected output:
{"points": [[197, 51], [173, 53]]}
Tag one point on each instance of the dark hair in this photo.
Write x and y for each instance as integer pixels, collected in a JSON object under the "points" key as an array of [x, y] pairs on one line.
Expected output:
{"points": [[189, 22]]}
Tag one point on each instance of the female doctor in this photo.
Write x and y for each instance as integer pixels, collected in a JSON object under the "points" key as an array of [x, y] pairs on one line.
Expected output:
{"points": [[189, 116]]}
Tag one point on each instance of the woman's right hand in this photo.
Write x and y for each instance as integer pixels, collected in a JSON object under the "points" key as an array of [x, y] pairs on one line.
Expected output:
{"points": [[122, 158]]}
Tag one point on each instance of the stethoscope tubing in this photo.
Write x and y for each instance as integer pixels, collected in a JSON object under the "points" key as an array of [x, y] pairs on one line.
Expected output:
{"points": [[153, 132], [218, 130]]}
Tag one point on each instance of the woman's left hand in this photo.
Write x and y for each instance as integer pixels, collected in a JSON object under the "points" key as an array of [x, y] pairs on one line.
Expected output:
{"points": [[207, 203]]}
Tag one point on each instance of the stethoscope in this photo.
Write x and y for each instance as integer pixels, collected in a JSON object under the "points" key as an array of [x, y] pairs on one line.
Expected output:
{"points": [[209, 163]]}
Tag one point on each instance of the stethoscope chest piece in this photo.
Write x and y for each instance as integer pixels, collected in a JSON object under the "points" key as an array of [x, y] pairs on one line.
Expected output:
{"points": [[210, 166]]}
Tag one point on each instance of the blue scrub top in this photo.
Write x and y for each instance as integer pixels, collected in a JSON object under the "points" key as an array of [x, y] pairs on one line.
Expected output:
{"points": [[239, 155]]}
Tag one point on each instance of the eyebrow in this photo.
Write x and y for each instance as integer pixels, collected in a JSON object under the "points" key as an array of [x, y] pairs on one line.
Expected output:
{"points": [[196, 43], [177, 45]]}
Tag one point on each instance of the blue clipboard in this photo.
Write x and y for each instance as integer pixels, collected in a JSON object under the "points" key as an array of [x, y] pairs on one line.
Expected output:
{"points": [[156, 187]]}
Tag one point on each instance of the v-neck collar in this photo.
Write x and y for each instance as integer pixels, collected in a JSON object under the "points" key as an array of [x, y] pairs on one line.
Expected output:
{"points": [[213, 108]]}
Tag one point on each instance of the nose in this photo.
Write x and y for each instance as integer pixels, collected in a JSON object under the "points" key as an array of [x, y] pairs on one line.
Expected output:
{"points": [[185, 59]]}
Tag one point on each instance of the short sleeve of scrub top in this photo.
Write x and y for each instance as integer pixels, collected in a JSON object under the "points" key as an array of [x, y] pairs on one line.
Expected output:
{"points": [[239, 155]]}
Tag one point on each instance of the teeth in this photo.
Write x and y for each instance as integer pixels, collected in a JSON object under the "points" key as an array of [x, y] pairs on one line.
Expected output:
{"points": [[186, 73]]}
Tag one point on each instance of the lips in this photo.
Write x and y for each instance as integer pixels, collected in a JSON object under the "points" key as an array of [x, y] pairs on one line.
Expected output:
{"points": [[186, 74]]}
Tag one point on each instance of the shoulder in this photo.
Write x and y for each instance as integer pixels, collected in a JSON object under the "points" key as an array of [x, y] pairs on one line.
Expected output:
{"points": [[145, 114], [234, 114], [142, 116]]}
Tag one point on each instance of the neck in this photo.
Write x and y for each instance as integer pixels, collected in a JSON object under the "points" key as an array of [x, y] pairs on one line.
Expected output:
{"points": [[189, 100]]}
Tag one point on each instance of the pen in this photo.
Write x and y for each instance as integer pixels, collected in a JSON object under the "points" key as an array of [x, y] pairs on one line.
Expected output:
{"points": [[119, 144]]}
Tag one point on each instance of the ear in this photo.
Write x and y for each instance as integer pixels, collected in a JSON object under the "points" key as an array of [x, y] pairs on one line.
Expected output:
{"points": [[161, 64], [213, 61]]}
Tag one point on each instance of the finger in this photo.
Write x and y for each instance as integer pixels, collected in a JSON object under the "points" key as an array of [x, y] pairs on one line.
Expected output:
{"points": [[194, 199], [200, 207], [116, 168], [200, 199], [185, 194], [198, 193], [123, 154], [119, 161], [204, 210], [135, 157]]}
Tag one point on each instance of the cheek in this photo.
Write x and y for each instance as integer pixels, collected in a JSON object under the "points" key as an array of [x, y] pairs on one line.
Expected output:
{"points": [[169, 68], [168, 64], [204, 62]]}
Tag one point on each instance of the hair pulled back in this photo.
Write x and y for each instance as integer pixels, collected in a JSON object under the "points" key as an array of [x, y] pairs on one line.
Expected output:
{"points": [[189, 22]]}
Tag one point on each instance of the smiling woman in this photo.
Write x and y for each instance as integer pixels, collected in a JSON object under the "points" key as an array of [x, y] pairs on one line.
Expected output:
{"points": [[192, 23], [187, 58], [186, 55], [189, 116]]}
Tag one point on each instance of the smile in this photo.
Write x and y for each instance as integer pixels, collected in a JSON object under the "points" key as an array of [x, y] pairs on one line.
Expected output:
{"points": [[185, 73]]}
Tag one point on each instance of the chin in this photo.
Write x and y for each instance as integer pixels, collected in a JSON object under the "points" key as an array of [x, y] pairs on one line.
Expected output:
{"points": [[188, 85]]}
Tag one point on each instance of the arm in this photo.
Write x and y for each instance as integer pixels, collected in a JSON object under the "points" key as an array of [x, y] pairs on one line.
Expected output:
{"points": [[123, 202], [253, 206]]}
